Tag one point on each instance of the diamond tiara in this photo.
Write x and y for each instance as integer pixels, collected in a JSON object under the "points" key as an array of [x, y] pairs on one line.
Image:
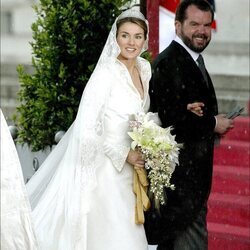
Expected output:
{"points": [[131, 13]]}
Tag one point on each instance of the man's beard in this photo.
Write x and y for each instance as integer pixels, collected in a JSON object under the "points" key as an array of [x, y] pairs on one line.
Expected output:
{"points": [[189, 43]]}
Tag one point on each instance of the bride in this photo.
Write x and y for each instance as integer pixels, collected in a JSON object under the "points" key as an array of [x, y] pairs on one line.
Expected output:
{"points": [[82, 195]]}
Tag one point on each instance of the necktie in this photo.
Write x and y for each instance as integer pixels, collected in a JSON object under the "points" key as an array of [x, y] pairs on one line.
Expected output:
{"points": [[202, 68]]}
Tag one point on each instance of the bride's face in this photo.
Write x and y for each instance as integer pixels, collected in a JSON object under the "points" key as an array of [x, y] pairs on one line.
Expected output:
{"points": [[130, 38]]}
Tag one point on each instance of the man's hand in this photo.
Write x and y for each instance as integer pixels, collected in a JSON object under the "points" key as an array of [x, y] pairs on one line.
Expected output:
{"points": [[223, 124], [196, 107]]}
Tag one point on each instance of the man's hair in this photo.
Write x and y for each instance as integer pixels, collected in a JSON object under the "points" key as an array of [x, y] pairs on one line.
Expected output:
{"points": [[203, 5]]}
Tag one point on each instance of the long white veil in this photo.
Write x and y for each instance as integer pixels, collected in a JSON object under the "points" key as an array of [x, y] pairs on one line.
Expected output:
{"points": [[16, 224], [59, 190]]}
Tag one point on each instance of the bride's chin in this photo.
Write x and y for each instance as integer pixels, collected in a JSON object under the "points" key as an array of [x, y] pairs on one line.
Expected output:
{"points": [[127, 57]]}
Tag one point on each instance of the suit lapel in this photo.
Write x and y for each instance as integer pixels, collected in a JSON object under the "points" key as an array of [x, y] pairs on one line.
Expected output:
{"points": [[191, 66]]}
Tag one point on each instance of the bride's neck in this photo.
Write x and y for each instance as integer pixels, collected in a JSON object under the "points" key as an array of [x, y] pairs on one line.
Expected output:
{"points": [[130, 64]]}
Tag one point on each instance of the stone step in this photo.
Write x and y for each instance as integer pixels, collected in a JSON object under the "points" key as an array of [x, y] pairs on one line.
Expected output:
{"points": [[9, 87], [228, 237], [228, 48], [9, 69], [231, 90], [225, 85], [16, 47], [232, 153], [241, 130], [9, 109], [231, 82], [227, 58], [231, 180], [225, 104], [229, 209], [228, 65]]}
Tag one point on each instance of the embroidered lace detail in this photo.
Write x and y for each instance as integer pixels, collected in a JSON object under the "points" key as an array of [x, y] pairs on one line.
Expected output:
{"points": [[99, 127], [121, 156], [89, 161]]}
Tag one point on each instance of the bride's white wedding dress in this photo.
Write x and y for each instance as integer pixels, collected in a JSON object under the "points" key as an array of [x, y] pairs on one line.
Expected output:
{"points": [[112, 212], [16, 225], [82, 195]]}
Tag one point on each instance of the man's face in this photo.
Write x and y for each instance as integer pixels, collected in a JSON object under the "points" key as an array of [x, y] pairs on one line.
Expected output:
{"points": [[195, 31]]}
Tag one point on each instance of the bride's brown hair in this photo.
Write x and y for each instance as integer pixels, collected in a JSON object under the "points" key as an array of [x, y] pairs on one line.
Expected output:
{"points": [[135, 20]]}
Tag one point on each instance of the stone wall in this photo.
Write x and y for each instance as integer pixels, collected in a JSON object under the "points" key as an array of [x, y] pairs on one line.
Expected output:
{"points": [[227, 57], [16, 19]]}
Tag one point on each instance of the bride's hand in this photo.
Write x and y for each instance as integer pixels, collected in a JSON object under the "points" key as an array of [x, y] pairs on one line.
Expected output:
{"points": [[196, 108], [135, 158]]}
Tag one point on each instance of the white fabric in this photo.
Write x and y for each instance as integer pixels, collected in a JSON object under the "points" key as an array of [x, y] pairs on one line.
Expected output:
{"points": [[82, 195], [152, 247], [16, 227], [166, 28]]}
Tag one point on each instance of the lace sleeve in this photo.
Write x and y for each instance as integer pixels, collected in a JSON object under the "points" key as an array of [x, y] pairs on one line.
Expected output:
{"points": [[117, 153]]}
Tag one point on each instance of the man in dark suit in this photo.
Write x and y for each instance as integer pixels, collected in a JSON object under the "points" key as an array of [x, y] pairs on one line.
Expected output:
{"points": [[177, 81]]}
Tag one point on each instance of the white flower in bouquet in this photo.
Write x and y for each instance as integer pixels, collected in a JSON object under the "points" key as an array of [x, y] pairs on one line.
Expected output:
{"points": [[161, 153]]}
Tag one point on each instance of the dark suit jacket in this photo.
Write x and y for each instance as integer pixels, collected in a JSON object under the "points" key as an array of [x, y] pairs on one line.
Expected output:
{"points": [[177, 81]]}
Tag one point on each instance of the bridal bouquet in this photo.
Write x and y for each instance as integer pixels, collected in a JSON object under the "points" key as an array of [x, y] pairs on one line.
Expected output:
{"points": [[161, 153]]}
